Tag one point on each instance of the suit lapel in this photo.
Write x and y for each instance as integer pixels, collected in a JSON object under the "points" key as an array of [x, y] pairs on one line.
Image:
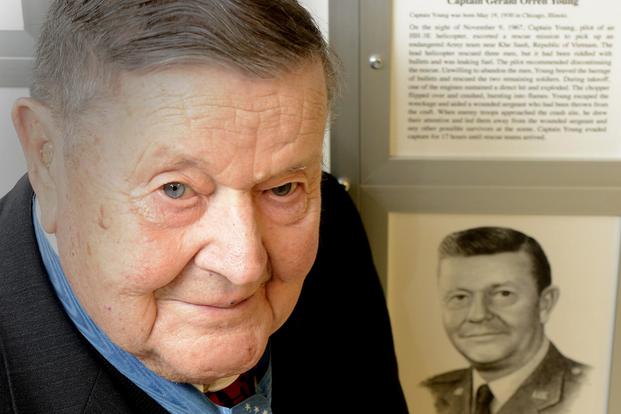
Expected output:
{"points": [[456, 399], [43, 353], [541, 390], [112, 382]]}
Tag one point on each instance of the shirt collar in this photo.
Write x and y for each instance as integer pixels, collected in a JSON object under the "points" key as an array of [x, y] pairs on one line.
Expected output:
{"points": [[176, 398], [504, 388]]}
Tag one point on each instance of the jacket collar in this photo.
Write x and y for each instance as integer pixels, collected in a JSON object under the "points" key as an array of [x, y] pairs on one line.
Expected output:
{"points": [[544, 387]]}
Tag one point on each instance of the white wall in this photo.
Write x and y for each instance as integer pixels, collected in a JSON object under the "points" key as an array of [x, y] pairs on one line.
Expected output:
{"points": [[12, 164], [11, 15]]}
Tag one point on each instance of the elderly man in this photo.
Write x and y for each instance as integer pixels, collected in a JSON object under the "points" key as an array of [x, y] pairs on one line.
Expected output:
{"points": [[496, 292], [174, 149]]}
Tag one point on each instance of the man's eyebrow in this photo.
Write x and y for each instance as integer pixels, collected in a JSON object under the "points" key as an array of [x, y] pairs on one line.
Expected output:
{"points": [[297, 168], [164, 157], [173, 157], [493, 286], [503, 284], [458, 289], [184, 162], [303, 164]]}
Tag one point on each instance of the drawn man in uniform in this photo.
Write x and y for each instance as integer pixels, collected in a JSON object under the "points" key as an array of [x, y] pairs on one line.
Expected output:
{"points": [[496, 295]]}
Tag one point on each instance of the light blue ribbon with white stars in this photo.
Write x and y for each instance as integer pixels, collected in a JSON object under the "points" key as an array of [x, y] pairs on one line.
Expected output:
{"points": [[174, 397]]}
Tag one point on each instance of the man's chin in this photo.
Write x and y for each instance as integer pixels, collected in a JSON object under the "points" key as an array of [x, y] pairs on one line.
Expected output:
{"points": [[487, 363], [480, 351], [202, 373], [202, 366], [483, 360]]}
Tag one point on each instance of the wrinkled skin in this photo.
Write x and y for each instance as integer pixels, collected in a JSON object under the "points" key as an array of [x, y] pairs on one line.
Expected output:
{"points": [[187, 212]]}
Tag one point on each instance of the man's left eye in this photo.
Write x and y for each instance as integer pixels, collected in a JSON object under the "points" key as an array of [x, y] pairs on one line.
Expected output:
{"points": [[504, 297], [284, 190]]}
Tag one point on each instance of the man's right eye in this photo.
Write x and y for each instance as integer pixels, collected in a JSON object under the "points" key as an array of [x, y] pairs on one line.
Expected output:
{"points": [[458, 300], [174, 190]]}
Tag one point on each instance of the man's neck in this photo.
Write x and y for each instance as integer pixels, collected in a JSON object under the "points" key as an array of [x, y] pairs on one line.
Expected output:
{"points": [[217, 385]]}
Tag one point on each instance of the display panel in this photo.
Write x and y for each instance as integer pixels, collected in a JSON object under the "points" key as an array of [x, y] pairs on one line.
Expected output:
{"points": [[506, 79]]}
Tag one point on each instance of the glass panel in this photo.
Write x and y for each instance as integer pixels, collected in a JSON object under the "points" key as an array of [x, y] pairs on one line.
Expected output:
{"points": [[506, 79]]}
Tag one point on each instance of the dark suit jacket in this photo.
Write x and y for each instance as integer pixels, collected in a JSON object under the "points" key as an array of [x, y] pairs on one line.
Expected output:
{"points": [[335, 354], [550, 389]]}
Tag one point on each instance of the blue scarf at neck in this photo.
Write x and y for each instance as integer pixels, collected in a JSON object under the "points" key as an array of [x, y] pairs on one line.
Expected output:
{"points": [[176, 398]]}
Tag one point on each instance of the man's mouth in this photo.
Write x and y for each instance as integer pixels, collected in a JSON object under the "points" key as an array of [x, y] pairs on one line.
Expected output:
{"points": [[231, 303], [482, 334], [222, 304]]}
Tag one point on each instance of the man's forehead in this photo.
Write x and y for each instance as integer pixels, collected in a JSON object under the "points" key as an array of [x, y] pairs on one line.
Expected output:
{"points": [[489, 268], [178, 81], [207, 97], [202, 96]]}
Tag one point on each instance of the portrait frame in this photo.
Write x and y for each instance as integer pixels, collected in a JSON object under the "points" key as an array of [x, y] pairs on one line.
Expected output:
{"points": [[382, 184], [583, 252], [17, 46]]}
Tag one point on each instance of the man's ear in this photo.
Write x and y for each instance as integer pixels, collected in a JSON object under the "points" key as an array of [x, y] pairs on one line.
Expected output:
{"points": [[35, 127], [547, 299]]}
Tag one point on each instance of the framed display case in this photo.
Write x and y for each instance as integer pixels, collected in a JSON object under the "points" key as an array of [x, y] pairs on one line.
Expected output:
{"points": [[523, 183]]}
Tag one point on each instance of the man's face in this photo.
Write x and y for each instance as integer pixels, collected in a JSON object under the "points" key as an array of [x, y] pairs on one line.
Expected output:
{"points": [[491, 309], [189, 213]]}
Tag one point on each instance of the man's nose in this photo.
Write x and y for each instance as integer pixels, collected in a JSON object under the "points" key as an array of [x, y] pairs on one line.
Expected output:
{"points": [[235, 247], [478, 310]]}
